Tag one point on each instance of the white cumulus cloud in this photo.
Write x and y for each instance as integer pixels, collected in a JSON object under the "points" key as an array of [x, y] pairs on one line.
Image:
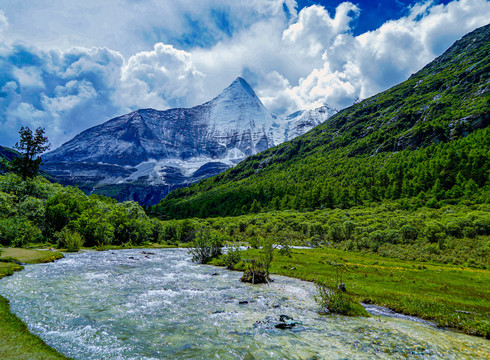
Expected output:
{"points": [[162, 78], [371, 62], [315, 29]]}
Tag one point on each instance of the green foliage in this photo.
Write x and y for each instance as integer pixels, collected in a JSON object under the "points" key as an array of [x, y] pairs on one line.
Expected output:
{"points": [[34, 210], [386, 229], [206, 245], [70, 240], [30, 146], [18, 232], [409, 233], [231, 257], [131, 225], [255, 273]]}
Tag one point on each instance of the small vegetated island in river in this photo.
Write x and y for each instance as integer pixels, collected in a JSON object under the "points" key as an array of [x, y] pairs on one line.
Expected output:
{"points": [[393, 192]]}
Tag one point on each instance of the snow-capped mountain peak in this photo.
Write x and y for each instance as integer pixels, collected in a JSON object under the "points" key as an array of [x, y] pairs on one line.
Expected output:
{"points": [[238, 90], [176, 147]]}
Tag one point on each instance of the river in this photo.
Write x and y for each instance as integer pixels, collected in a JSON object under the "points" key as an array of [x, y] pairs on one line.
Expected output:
{"points": [[157, 304]]}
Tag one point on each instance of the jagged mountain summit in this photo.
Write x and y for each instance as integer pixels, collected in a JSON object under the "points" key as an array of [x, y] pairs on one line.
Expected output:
{"points": [[145, 154]]}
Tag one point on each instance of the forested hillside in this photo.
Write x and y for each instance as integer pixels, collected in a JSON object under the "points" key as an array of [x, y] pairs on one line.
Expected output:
{"points": [[424, 142]]}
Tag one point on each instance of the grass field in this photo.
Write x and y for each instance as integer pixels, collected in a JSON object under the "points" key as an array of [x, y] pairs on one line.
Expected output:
{"points": [[17, 343], [452, 296]]}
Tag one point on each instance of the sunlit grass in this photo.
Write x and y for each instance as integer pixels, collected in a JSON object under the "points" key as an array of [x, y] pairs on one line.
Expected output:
{"points": [[30, 256]]}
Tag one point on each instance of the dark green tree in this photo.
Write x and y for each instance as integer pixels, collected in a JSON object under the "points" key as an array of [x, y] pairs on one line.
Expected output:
{"points": [[30, 146]]}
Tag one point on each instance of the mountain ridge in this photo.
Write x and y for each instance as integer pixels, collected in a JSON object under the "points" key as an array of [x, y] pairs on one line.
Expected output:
{"points": [[373, 150]]}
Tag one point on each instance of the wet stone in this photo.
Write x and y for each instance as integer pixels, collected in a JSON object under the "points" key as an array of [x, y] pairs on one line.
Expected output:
{"points": [[283, 322]]}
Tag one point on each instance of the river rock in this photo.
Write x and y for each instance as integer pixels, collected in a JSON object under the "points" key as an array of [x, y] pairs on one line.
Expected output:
{"points": [[284, 322]]}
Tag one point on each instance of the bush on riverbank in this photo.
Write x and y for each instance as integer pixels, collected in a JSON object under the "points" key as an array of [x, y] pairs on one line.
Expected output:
{"points": [[70, 240], [231, 257], [256, 273], [206, 246], [332, 296]]}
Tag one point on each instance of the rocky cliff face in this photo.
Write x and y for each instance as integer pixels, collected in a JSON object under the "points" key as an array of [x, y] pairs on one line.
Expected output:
{"points": [[176, 147]]}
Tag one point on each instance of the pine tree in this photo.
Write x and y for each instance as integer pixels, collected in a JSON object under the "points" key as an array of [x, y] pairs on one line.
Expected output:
{"points": [[29, 146]]}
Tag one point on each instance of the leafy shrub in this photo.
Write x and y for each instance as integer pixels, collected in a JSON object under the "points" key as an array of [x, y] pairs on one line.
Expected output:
{"points": [[469, 232], [255, 273], [314, 241], [434, 231], [206, 246], [169, 233], [482, 226], [333, 298], [335, 233], [409, 233], [231, 257], [385, 236], [18, 232], [186, 231], [432, 248], [70, 240]]}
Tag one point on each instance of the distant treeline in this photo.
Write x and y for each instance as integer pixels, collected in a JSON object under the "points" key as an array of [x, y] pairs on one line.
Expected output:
{"points": [[452, 234]]}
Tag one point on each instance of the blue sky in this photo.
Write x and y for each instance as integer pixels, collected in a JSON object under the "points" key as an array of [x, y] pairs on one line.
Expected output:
{"points": [[374, 13], [67, 65]]}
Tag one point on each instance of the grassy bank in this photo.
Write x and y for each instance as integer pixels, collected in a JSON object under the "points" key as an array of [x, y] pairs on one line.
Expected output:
{"points": [[453, 296], [17, 343]]}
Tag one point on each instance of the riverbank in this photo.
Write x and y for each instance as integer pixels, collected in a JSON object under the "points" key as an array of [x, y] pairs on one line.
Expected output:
{"points": [[17, 342], [452, 296]]}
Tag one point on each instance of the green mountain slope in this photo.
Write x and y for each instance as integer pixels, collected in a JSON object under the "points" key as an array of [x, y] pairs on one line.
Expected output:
{"points": [[6, 154], [424, 142]]}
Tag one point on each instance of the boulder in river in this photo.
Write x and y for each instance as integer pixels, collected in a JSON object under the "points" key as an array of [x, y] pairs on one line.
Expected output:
{"points": [[284, 322]]}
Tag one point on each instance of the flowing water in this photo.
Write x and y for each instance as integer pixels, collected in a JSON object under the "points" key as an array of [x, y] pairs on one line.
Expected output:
{"points": [[130, 305]]}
